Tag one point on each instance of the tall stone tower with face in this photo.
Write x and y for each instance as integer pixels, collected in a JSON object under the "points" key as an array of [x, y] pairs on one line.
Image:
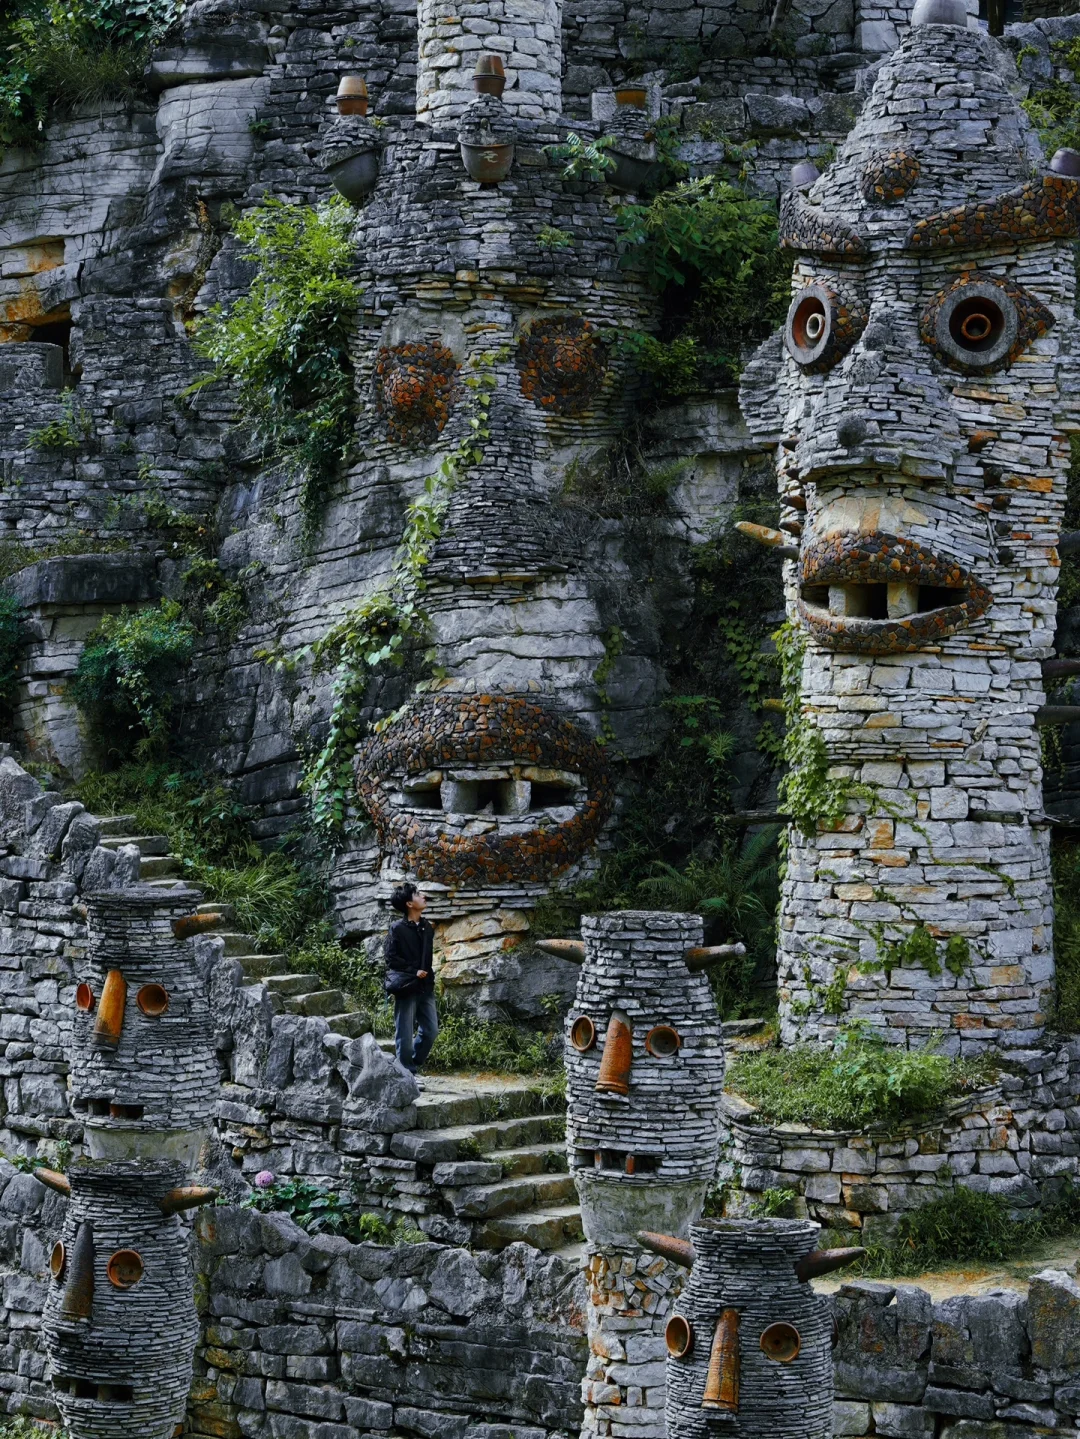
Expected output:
{"points": [[918, 396]]}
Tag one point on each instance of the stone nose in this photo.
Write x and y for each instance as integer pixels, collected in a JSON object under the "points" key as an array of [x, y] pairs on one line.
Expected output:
{"points": [[617, 1059]]}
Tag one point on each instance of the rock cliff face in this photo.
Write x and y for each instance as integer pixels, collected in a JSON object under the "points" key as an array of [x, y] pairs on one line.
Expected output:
{"points": [[116, 238]]}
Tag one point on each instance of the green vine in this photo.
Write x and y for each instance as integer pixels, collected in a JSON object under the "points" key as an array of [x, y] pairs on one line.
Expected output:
{"points": [[613, 642], [390, 621], [807, 793]]}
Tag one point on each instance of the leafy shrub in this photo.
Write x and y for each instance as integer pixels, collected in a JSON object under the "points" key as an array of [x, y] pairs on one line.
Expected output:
{"points": [[864, 1081], [320, 1211], [18, 1426], [125, 681], [1054, 110], [285, 344], [466, 1042], [210, 597], [58, 54], [273, 898], [70, 432], [966, 1225], [713, 252]]}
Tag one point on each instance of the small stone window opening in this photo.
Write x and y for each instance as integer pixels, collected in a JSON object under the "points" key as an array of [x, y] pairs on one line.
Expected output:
{"points": [[880, 601], [422, 793], [126, 1111], [83, 1389], [497, 795], [115, 1394], [99, 1108], [552, 796]]}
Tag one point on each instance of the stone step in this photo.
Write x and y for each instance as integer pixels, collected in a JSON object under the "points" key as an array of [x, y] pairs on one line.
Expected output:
{"points": [[149, 844], [317, 1002], [546, 1229], [225, 911], [260, 966], [351, 1025], [476, 1141], [236, 943], [510, 1196], [288, 986], [532, 1159], [169, 882], [116, 823], [441, 1110], [160, 867]]}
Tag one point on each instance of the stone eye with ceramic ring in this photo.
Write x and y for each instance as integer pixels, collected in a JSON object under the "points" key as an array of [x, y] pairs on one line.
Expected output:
{"points": [[982, 323], [822, 325], [662, 1041], [583, 1033], [781, 1343]]}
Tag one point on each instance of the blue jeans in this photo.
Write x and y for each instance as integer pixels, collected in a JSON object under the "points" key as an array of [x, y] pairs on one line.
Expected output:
{"points": [[414, 1012]]}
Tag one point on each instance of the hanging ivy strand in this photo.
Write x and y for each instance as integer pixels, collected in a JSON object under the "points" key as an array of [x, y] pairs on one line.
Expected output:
{"points": [[284, 345]]}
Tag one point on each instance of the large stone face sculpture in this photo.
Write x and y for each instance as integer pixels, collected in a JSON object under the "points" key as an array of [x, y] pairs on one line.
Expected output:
{"points": [[918, 395], [119, 1322]]}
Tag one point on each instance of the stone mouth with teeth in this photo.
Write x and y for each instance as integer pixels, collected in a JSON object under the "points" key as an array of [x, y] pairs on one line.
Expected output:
{"points": [[879, 594]]}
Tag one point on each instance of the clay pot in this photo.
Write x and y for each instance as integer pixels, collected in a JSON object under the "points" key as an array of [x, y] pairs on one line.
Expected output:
{"points": [[487, 163], [352, 95], [356, 177], [635, 96], [110, 1015], [617, 1058], [631, 174], [489, 77]]}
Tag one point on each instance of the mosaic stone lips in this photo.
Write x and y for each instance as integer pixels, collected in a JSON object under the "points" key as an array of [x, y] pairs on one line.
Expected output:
{"points": [[438, 734], [875, 593]]}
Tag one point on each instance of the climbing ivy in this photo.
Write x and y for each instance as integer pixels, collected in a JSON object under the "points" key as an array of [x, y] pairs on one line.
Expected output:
{"points": [[807, 794], [391, 621]]}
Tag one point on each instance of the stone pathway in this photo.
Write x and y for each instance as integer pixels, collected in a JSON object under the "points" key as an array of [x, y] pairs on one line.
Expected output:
{"points": [[976, 1278]]}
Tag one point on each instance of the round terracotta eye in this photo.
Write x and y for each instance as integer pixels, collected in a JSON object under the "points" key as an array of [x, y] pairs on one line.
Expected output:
{"points": [[84, 998], [58, 1260], [663, 1041], [125, 1268], [582, 1033], [976, 324], [808, 324], [153, 999], [679, 1336], [781, 1342]]}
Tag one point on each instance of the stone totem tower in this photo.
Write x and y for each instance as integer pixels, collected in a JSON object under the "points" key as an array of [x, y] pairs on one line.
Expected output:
{"points": [[645, 1072], [749, 1343], [918, 397], [120, 1323]]}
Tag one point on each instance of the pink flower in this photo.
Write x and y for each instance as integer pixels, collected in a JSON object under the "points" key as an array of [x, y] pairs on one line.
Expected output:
{"points": [[264, 1179]]}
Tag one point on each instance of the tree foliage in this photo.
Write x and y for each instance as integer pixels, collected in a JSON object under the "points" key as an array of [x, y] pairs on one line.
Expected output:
{"points": [[58, 54], [284, 345], [125, 681]]}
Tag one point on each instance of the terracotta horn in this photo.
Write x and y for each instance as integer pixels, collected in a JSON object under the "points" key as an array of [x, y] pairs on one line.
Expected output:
{"points": [[110, 1011], [188, 1196], [571, 949], [703, 955], [681, 1251], [191, 924], [78, 1300], [824, 1261], [52, 1180]]}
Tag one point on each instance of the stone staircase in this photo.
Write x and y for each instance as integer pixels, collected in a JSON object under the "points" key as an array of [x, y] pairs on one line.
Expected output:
{"points": [[488, 1152], [292, 993], [494, 1149]]}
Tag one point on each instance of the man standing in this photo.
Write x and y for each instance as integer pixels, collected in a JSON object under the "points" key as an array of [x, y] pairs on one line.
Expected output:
{"points": [[410, 977]]}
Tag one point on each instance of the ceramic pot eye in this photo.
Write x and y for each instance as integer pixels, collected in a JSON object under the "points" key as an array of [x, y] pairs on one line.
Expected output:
{"points": [[58, 1260], [125, 1269], [583, 1033], [679, 1337], [663, 1041], [84, 998], [153, 1000], [781, 1342]]}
